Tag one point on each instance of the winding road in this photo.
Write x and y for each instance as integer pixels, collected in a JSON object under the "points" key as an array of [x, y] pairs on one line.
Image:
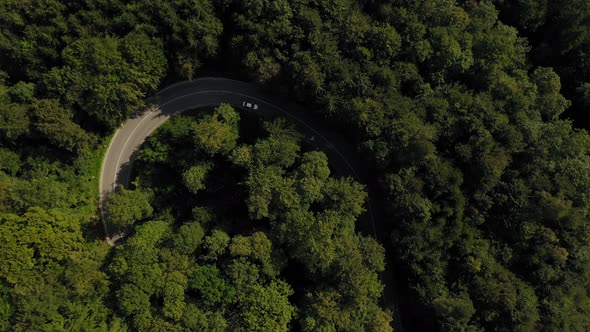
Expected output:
{"points": [[187, 95]]}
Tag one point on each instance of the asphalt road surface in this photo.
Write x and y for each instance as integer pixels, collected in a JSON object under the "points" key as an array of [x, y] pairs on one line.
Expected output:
{"points": [[187, 95]]}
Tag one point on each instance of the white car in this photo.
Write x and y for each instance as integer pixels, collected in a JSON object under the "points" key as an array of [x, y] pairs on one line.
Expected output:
{"points": [[250, 105]]}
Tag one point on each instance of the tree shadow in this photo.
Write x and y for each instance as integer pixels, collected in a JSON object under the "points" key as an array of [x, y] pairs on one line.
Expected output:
{"points": [[145, 110], [124, 173]]}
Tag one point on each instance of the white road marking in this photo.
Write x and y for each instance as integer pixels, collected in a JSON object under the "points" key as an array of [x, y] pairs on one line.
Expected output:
{"points": [[125, 145]]}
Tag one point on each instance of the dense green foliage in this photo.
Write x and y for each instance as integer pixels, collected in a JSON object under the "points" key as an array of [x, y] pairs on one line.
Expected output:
{"points": [[457, 106], [485, 185], [55, 274], [220, 269], [559, 37], [125, 207]]}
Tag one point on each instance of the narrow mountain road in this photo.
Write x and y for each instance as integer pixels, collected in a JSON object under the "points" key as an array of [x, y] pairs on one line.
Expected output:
{"points": [[187, 95]]}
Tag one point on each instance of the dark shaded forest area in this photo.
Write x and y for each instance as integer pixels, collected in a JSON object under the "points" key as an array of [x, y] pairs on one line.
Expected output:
{"points": [[471, 116]]}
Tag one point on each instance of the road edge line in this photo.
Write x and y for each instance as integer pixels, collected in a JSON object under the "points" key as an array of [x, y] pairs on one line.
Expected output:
{"points": [[100, 191]]}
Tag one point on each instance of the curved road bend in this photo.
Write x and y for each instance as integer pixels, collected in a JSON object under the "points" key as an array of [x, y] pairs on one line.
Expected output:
{"points": [[187, 95]]}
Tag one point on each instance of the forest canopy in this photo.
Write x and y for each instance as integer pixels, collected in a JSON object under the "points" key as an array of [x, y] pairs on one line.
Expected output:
{"points": [[469, 116], [223, 261]]}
